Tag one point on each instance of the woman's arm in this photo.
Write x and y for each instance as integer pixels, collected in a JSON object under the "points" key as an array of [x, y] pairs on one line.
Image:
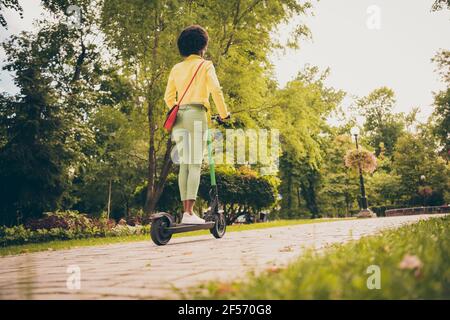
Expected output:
{"points": [[216, 91], [170, 96]]}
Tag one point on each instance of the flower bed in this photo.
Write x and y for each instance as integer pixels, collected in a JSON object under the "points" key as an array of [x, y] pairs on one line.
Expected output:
{"points": [[64, 226]]}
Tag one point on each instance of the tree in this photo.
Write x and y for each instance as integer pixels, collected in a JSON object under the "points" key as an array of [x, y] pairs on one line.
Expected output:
{"points": [[382, 126], [440, 4], [309, 102], [34, 156], [58, 71], [240, 33], [415, 156], [116, 166], [441, 113], [242, 192], [339, 188]]}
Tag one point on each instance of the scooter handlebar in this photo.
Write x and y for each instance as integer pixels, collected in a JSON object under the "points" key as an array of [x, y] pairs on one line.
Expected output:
{"points": [[219, 120]]}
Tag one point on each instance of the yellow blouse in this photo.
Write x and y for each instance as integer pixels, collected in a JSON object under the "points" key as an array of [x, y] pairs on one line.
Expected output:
{"points": [[204, 84]]}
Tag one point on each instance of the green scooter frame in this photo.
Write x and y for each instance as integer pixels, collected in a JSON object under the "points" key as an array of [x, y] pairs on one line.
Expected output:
{"points": [[164, 225]]}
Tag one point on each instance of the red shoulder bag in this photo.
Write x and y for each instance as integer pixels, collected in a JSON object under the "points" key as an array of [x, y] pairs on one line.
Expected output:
{"points": [[172, 114]]}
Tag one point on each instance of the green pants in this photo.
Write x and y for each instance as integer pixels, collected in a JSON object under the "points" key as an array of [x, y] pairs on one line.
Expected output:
{"points": [[189, 134]]}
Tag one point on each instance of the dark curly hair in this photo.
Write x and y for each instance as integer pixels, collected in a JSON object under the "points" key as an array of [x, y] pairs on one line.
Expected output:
{"points": [[192, 40]]}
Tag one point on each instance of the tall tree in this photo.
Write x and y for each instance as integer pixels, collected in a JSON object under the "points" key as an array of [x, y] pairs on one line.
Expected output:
{"points": [[382, 126], [57, 70], [240, 42], [34, 156], [419, 166], [441, 113], [300, 111]]}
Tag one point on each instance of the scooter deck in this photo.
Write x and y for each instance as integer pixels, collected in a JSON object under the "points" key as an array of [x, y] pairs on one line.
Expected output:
{"points": [[182, 227]]}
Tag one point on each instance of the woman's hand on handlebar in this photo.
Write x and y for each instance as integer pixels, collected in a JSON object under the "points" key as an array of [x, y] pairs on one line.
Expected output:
{"points": [[221, 120]]}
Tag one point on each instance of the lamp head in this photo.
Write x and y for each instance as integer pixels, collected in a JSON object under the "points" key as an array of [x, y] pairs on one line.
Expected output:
{"points": [[355, 131]]}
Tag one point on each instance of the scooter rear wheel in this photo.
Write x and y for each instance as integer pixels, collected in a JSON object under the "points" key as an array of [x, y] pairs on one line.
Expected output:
{"points": [[220, 226], [158, 231]]}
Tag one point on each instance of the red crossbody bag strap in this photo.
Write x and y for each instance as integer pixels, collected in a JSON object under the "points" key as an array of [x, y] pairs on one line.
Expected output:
{"points": [[172, 116], [190, 82]]}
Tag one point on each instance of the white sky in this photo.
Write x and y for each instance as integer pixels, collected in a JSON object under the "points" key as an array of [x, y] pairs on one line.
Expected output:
{"points": [[361, 60]]}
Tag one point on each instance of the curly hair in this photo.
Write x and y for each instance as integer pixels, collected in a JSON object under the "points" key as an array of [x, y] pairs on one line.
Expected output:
{"points": [[192, 40]]}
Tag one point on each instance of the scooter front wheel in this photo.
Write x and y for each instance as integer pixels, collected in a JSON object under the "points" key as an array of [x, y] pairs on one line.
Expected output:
{"points": [[158, 231], [220, 226]]}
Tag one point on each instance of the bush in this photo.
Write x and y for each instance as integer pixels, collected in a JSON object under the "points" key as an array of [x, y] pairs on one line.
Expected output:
{"points": [[241, 190], [67, 220], [65, 226], [126, 230]]}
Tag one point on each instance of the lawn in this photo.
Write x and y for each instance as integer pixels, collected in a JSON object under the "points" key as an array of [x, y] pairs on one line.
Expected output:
{"points": [[414, 263], [67, 244]]}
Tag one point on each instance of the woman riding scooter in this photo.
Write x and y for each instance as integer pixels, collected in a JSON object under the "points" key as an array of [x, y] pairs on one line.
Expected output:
{"points": [[194, 79]]}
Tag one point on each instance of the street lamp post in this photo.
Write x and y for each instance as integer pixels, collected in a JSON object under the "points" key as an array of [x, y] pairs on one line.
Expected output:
{"points": [[365, 211], [422, 183]]}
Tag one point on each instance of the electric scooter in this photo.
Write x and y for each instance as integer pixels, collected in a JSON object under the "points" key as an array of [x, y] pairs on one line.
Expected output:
{"points": [[164, 224]]}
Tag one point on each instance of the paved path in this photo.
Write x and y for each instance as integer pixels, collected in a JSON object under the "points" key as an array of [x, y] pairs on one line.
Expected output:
{"points": [[143, 270]]}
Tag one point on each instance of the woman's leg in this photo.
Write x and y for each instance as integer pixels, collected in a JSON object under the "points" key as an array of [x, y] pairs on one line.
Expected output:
{"points": [[193, 181], [189, 206], [183, 175], [196, 125], [181, 137]]}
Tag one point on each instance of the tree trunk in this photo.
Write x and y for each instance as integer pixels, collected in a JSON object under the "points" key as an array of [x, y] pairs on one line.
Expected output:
{"points": [[289, 196], [155, 188], [109, 198], [149, 199], [309, 194]]}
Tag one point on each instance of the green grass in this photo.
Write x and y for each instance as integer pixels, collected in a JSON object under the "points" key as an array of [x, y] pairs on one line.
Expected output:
{"points": [[68, 244], [340, 272]]}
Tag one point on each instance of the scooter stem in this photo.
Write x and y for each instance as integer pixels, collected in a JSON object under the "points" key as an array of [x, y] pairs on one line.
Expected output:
{"points": [[212, 171]]}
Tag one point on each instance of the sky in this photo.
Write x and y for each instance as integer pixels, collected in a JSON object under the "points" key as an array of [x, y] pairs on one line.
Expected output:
{"points": [[397, 54], [366, 44]]}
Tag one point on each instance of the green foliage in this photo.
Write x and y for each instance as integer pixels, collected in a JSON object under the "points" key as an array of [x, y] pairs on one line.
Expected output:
{"points": [[119, 158], [339, 185], [441, 117], [240, 191], [86, 125], [309, 102], [341, 271], [384, 188], [241, 42], [441, 114], [65, 226], [34, 156], [382, 126], [44, 132], [415, 157]]}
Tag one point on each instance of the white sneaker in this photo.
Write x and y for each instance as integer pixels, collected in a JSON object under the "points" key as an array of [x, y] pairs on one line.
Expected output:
{"points": [[191, 219]]}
